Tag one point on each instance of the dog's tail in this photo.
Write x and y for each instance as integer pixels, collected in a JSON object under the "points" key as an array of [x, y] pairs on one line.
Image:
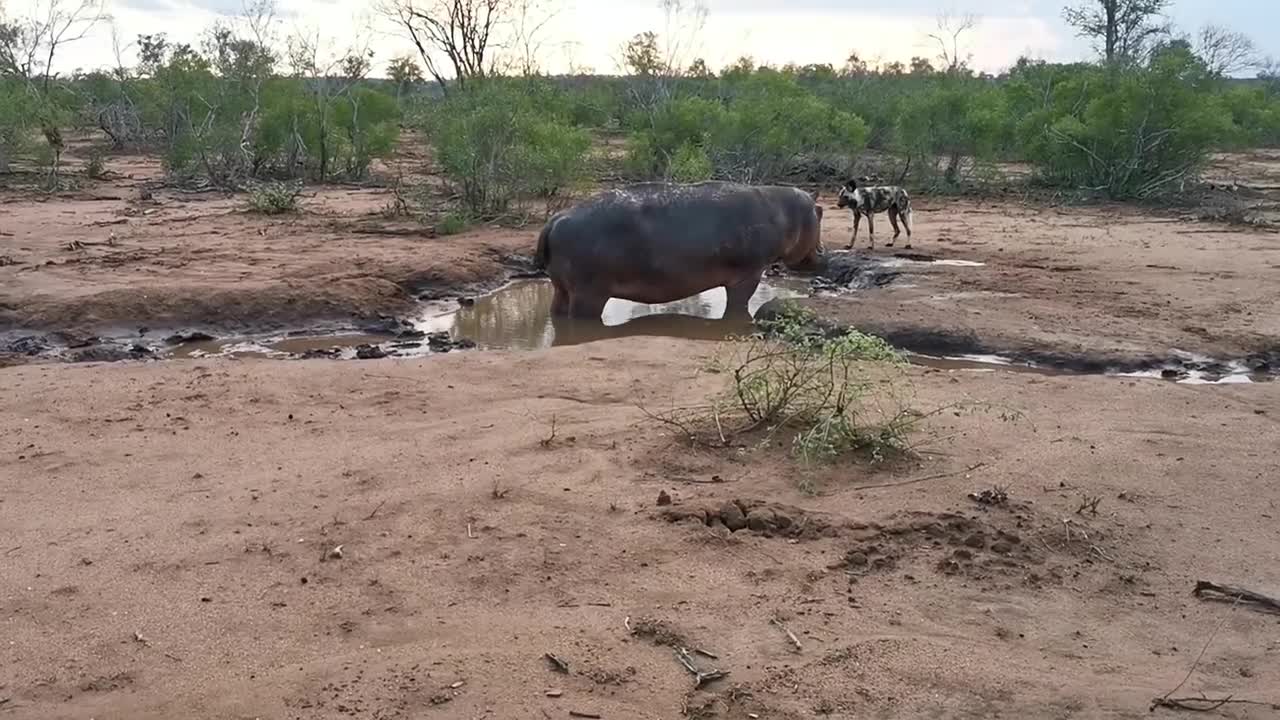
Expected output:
{"points": [[542, 255]]}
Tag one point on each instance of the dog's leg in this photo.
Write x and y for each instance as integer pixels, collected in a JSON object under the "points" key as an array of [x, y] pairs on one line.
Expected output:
{"points": [[906, 221], [871, 230], [893, 220], [857, 217]]}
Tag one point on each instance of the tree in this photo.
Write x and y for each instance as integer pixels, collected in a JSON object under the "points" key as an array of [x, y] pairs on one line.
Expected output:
{"points": [[314, 60], [403, 71], [460, 30], [641, 56], [28, 51], [921, 66], [1123, 29], [947, 36], [698, 69], [854, 66], [1225, 52]]}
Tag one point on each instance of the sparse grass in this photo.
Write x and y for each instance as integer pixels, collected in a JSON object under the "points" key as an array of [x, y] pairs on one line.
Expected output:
{"points": [[835, 394], [96, 167], [452, 223], [274, 198]]}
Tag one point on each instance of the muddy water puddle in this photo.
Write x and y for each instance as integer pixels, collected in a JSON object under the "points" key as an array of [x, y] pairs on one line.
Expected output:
{"points": [[517, 316]]}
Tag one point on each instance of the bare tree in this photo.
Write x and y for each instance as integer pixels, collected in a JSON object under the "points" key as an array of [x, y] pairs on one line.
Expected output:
{"points": [[1226, 52], [461, 31], [529, 22], [330, 72], [947, 37], [29, 49], [1122, 29]]}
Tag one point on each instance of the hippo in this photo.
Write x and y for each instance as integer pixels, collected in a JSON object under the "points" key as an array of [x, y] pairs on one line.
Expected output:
{"points": [[658, 242]]}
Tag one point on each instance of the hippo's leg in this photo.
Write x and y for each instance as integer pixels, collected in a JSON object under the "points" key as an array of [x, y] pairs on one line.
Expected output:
{"points": [[738, 296], [559, 299], [893, 220], [857, 218], [587, 305]]}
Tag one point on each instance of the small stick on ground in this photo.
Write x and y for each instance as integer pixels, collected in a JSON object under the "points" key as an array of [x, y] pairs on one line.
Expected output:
{"points": [[1206, 590], [1204, 704], [626, 623], [1165, 699], [470, 535], [557, 664], [582, 714], [371, 515], [706, 653], [927, 478], [792, 636], [700, 678]]}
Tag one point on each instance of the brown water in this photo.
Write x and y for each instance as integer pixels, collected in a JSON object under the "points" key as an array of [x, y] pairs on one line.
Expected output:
{"points": [[518, 316]]}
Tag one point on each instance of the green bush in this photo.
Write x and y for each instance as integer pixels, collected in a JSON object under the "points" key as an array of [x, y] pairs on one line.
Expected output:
{"points": [[1125, 132], [951, 120], [691, 164], [274, 198], [764, 128], [499, 141]]}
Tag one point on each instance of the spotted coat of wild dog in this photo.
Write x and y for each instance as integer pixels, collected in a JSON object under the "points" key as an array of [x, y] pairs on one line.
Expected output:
{"points": [[869, 200]]}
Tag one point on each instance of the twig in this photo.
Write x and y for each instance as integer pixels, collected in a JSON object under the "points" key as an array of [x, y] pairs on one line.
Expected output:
{"points": [[1206, 590], [581, 714], [927, 478], [375, 510], [470, 535], [557, 664], [1204, 704], [794, 640], [1159, 702], [706, 653], [700, 678], [626, 623]]}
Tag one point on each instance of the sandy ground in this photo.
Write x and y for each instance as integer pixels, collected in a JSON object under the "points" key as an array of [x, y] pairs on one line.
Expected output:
{"points": [[102, 259], [1101, 280], [169, 527], [166, 526]]}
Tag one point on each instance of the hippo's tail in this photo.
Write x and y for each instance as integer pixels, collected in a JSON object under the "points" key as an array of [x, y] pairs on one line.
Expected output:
{"points": [[542, 256]]}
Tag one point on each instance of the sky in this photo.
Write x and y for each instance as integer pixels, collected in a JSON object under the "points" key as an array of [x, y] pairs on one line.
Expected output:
{"points": [[588, 34]]}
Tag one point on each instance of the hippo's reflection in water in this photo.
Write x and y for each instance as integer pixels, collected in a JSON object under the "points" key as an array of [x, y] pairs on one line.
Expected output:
{"points": [[519, 316]]}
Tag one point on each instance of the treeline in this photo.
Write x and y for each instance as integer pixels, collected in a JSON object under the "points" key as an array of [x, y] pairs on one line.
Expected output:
{"points": [[235, 110], [1131, 131]]}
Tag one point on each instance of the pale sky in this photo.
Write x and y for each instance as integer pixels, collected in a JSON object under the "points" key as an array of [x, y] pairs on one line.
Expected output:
{"points": [[588, 33]]}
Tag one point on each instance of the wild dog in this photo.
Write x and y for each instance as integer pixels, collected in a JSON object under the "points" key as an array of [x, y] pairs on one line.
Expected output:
{"points": [[867, 201]]}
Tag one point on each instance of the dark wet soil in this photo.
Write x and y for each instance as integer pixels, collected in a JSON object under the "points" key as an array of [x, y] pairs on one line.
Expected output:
{"points": [[518, 316]]}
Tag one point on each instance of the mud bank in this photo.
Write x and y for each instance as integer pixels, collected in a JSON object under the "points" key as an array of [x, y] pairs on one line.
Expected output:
{"points": [[966, 346]]}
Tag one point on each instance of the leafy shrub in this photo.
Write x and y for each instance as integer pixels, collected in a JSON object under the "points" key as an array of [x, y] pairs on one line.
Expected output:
{"points": [[765, 128], [274, 198], [948, 121], [452, 223], [691, 164], [96, 167], [1126, 132], [497, 142]]}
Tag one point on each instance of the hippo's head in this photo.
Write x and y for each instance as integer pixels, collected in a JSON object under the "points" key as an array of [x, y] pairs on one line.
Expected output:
{"points": [[807, 252]]}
